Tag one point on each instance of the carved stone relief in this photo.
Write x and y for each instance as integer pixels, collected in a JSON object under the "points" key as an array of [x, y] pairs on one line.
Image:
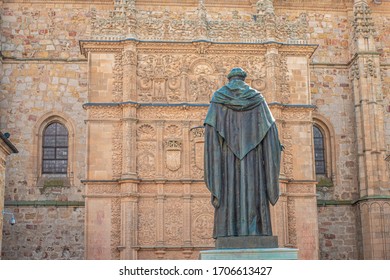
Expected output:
{"points": [[146, 159], [117, 140], [189, 74], [355, 71], [363, 23], [369, 68], [126, 21], [158, 78], [203, 221], [282, 80], [292, 223], [146, 132], [104, 113], [202, 82], [192, 78], [173, 154], [197, 152], [146, 222], [287, 152], [173, 221], [117, 91], [115, 227]]}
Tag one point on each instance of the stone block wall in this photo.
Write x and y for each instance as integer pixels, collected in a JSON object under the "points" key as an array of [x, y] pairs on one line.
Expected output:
{"points": [[337, 228], [43, 77], [44, 233]]}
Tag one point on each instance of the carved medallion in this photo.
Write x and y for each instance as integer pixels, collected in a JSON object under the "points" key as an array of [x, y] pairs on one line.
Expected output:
{"points": [[203, 226]]}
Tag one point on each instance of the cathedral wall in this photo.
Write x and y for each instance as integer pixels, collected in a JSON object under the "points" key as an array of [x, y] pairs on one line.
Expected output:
{"points": [[337, 226], [44, 233], [43, 79], [332, 94]]}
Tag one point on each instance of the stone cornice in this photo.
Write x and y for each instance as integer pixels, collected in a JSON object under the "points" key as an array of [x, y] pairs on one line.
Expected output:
{"points": [[138, 104], [198, 46]]}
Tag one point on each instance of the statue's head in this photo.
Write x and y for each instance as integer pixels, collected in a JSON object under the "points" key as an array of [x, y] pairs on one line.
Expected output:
{"points": [[238, 73]]}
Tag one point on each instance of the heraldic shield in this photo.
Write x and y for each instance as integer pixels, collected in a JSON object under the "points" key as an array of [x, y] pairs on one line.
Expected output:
{"points": [[173, 154]]}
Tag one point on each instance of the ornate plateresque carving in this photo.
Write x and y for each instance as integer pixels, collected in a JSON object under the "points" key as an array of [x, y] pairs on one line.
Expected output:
{"points": [[125, 21]]}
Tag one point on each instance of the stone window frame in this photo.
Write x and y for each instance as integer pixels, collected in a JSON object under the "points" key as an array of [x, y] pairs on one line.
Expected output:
{"points": [[39, 129], [327, 131]]}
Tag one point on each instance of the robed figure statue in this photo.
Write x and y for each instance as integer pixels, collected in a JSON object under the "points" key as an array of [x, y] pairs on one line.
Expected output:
{"points": [[242, 159]]}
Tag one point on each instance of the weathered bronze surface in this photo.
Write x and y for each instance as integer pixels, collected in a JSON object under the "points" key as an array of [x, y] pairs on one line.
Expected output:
{"points": [[242, 159]]}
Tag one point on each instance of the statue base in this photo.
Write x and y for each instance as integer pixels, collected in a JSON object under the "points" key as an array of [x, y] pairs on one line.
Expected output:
{"points": [[250, 254], [246, 242]]}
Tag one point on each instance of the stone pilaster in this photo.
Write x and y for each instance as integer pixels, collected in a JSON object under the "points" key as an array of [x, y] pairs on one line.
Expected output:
{"points": [[369, 115], [129, 220]]}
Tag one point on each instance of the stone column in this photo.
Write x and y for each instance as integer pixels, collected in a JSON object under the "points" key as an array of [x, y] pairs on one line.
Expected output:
{"points": [[369, 115], [129, 220], [129, 183], [130, 72]]}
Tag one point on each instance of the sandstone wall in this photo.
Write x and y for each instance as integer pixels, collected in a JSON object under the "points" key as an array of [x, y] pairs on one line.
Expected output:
{"points": [[338, 227], [43, 77], [44, 233]]}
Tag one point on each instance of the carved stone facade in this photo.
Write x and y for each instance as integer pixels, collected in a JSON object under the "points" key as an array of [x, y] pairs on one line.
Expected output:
{"points": [[132, 81], [175, 76]]}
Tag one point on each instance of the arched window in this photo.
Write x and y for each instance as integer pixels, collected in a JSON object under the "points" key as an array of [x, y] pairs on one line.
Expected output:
{"points": [[319, 151], [55, 149]]}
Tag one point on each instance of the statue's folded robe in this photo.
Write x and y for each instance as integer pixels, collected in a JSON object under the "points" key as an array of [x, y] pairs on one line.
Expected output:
{"points": [[242, 160]]}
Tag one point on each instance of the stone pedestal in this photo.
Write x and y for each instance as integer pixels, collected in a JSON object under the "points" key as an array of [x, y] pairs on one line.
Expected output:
{"points": [[246, 242], [250, 254]]}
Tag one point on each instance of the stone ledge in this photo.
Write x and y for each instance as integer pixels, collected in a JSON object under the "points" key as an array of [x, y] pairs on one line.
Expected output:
{"points": [[44, 203]]}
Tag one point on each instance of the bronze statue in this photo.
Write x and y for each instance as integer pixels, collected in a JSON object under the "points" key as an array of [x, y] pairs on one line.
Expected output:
{"points": [[242, 159]]}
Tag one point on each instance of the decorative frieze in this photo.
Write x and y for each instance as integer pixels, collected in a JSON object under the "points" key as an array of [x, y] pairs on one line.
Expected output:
{"points": [[125, 21]]}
